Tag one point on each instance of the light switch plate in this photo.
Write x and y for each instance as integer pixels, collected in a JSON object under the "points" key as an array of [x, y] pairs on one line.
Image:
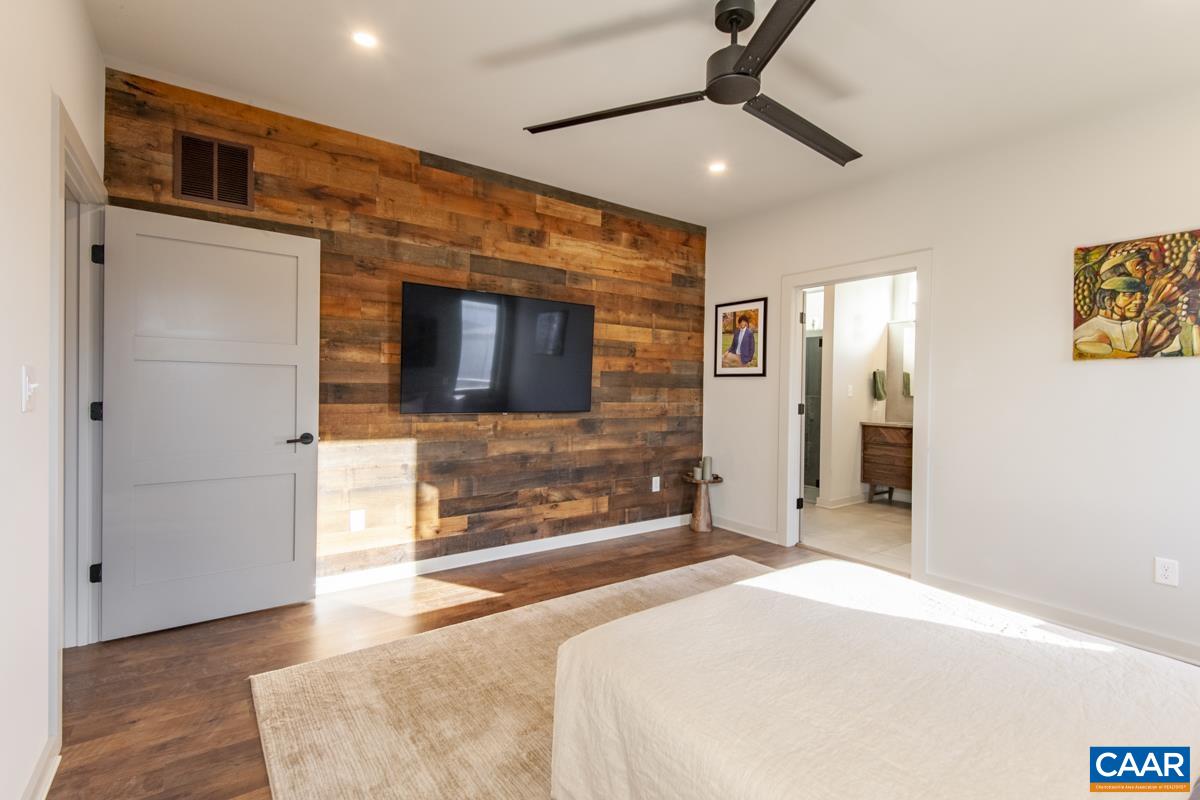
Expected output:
{"points": [[28, 387], [655, 484]]}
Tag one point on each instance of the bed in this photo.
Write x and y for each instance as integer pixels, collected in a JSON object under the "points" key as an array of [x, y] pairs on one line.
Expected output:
{"points": [[832, 680]]}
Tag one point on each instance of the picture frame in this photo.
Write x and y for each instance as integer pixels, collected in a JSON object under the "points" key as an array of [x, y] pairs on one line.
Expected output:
{"points": [[1138, 298], [740, 339]]}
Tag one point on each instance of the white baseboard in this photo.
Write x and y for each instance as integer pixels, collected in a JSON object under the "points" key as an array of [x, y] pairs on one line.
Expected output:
{"points": [[1143, 640], [408, 569], [900, 495], [43, 772], [743, 528], [840, 502], [1173, 648]]}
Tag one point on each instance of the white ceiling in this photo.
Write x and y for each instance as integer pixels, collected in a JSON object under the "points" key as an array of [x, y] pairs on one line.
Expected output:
{"points": [[899, 81]]}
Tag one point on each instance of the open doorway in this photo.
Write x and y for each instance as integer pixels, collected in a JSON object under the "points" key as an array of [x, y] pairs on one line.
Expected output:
{"points": [[858, 364]]}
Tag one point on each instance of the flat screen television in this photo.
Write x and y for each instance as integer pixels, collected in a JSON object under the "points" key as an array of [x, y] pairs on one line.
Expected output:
{"points": [[464, 352]]}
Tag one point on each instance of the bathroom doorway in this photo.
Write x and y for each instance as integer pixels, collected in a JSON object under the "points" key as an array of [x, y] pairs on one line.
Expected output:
{"points": [[858, 362]]}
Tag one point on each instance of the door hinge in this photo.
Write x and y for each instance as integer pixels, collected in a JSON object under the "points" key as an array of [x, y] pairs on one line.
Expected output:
{"points": [[94, 573], [800, 409], [96, 412], [799, 503], [803, 318], [97, 254]]}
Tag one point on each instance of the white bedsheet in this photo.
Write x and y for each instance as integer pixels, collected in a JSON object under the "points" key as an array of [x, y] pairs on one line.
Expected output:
{"points": [[831, 680]]}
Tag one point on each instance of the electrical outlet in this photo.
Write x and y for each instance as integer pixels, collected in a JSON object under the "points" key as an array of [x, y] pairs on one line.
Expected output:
{"points": [[1166, 571], [850, 390], [655, 484]]}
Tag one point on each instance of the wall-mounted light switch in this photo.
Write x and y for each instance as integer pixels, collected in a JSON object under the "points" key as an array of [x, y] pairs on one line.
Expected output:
{"points": [[655, 484], [28, 387]]}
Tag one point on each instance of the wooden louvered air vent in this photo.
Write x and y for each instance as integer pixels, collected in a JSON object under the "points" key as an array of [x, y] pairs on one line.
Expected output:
{"points": [[213, 171]]}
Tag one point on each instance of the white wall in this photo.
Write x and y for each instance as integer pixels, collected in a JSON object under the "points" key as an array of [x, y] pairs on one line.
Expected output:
{"points": [[46, 48], [855, 346], [1050, 480], [904, 297]]}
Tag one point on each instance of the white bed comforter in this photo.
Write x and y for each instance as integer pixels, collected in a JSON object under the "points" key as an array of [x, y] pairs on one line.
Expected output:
{"points": [[832, 680]]}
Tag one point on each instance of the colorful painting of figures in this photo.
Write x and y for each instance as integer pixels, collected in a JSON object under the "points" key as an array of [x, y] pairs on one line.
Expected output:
{"points": [[1138, 299], [741, 338]]}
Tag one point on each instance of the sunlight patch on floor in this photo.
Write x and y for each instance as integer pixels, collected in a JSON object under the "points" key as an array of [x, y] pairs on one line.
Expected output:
{"points": [[862, 588], [411, 596]]}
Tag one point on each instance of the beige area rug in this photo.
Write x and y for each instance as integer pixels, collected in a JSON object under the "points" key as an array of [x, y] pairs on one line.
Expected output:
{"points": [[464, 711]]}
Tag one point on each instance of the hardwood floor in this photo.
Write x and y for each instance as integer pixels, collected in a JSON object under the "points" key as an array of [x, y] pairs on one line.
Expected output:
{"points": [[169, 714]]}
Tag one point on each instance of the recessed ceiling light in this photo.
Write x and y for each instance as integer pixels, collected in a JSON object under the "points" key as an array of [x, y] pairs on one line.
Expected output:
{"points": [[364, 39], [716, 167]]}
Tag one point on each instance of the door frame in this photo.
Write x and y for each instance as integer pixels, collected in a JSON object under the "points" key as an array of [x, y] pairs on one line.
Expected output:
{"points": [[82, 362], [73, 171], [791, 389], [80, 612]]}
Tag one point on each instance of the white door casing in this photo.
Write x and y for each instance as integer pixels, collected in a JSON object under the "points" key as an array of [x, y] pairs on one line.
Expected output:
{"points": [[211, 337], [790, 454]]}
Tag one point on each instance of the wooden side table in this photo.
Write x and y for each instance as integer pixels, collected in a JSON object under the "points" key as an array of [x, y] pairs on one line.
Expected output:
{"points": [[701, 507]]}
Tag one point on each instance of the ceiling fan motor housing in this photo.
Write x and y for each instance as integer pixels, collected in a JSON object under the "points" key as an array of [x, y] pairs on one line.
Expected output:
{"points": [[729, 12], [724, 85]]}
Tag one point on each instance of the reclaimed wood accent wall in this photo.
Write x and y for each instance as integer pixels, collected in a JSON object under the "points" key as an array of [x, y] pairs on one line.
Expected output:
{"points": [[397, 486]]}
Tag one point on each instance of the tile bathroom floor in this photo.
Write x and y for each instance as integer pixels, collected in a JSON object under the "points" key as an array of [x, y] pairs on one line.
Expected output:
{"points": [[878, 533]]}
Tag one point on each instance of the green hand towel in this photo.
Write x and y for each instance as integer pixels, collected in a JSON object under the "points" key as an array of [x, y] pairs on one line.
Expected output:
{"points": [[879, 378]]}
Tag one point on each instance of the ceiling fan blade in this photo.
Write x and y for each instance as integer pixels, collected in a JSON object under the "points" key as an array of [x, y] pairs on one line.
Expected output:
{"points": [[651, 105], [801, 129], [772, 32]]}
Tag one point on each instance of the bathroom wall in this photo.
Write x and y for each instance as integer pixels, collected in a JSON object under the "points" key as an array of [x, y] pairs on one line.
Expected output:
{"points": [[855, 346]]}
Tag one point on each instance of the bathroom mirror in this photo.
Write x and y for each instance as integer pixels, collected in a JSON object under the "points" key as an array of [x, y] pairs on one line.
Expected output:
{"points": [[901, 362]]}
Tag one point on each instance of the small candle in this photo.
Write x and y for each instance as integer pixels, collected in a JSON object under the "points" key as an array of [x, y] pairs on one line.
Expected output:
{"points": [[697, 473]]}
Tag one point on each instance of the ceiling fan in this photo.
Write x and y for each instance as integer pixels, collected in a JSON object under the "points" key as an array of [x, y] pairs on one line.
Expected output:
{"points": [[734, 77]]}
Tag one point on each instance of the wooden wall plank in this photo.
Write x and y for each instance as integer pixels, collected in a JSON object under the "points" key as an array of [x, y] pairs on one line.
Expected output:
{"points": [[396, 486]]}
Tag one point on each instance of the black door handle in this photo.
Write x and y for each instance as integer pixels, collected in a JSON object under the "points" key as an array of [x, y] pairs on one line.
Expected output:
{"points": [[305, 438]]}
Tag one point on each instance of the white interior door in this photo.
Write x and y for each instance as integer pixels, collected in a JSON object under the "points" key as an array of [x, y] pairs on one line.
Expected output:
{"points": [[210, 375]]}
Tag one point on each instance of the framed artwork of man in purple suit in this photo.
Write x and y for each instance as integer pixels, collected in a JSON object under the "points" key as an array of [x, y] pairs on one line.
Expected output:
{"points": [[741, 339]]}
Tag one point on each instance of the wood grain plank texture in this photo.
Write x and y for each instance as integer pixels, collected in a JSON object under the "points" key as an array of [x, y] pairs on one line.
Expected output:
{"points": [[386, 214]]}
